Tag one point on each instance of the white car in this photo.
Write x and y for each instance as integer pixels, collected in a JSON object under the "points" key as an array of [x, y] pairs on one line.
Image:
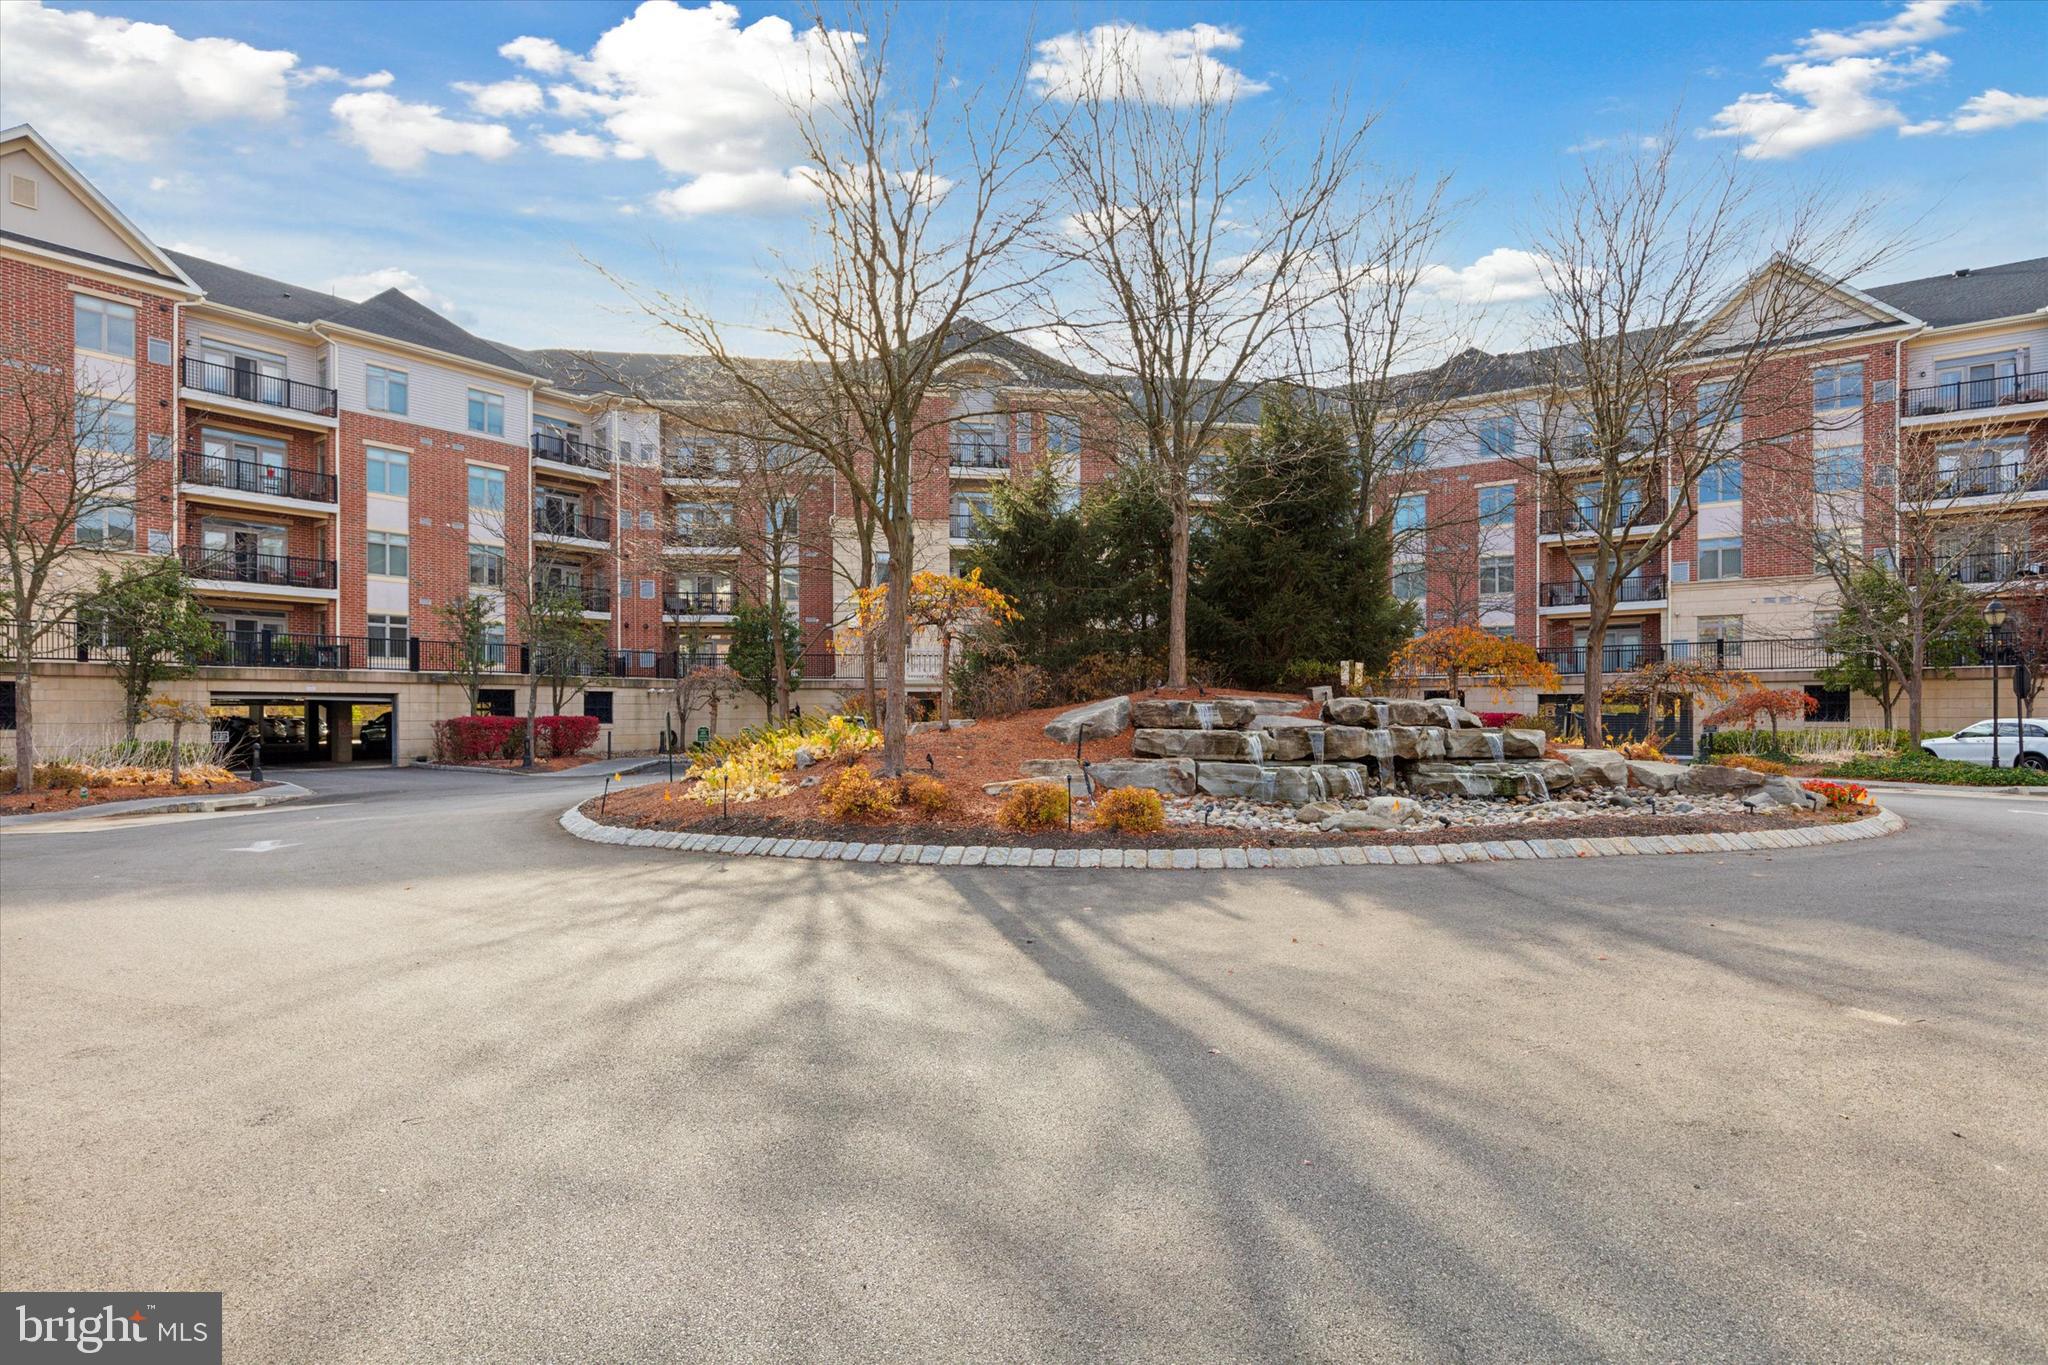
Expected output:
{"points": [[1973, 744]]}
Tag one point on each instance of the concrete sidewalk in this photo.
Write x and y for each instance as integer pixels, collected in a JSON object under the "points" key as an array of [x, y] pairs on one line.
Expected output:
{"points": [[275, 794]]}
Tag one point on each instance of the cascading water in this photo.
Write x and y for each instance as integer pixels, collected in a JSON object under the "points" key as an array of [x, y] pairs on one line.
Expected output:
{"points": [[1536, 780], [1379, 714], [1255, 743], [1317, 743], [1449, 711], [1494, 746], [1205, 714]]}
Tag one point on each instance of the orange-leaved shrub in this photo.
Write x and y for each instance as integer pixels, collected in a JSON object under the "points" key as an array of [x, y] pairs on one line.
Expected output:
{"points": [[1130, 810], [1033, 806], [854, 794], [923, 794]]}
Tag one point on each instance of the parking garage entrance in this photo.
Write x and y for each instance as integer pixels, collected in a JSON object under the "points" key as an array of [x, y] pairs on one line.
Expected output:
{"points": [[296, 730]]}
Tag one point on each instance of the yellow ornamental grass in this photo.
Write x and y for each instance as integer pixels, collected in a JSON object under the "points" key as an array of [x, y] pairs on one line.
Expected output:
{"points": [[748, 767]]}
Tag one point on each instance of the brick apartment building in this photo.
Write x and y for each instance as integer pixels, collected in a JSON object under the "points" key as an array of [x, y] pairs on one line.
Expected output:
{"points": [[333, 473]]}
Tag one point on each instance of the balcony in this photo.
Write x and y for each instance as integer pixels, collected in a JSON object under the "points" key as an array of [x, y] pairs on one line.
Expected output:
{"points": [[1578, 519], [2008, 479], [1981, 398], [597, 600], [202, 472], [961, 526], [1642, 589], [553, 520], [1981, 568], [697, 467], [573, 455], [699, 603], [975, 452], [294, 573], [703, 537], [261, 390]]}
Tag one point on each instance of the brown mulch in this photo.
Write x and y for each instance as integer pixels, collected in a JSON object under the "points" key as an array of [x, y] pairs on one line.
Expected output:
{"points": [[30, 803], [993, 750]]}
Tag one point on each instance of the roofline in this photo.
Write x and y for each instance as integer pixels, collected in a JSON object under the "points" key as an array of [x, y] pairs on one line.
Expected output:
{"points": [[87, 190], [323, 328], [80, 266], [275, 324], [2034, 316]]}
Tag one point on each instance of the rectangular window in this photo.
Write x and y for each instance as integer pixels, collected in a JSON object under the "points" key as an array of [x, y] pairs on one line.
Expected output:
{"points": [[1726, 629], [486, 489], [1497, 437], [388, 636], [487, 412], [386, 390], [1831, 704], [486, 566], [1838, 386], [387, 471], [102, 326], [1496, 506], [1721, 481], [647, 519], [789, 588], [1716, 406], [1837, 548], [389, 553], [1412, 453], [1062, 435], [1721, 558], [1021, 423], [104, 424], [107, 526], [599, 706], [1496, 575], [1838, 469], [1410, 580], [1410, 512]]}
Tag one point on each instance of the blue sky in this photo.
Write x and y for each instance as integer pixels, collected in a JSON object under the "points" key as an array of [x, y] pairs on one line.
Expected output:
{"points": [[470, 152]]}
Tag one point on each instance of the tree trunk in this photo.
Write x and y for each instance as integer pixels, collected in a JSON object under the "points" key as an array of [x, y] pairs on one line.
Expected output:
{"points": [[945, 680], [1913, 722], [896, 642], [1177, 594], [1596, 682], [532, 705], [24, 716], [780, 654], [177, 769]]}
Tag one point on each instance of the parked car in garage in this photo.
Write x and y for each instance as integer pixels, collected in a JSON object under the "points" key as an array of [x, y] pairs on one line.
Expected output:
{"points": [[1972, 744]]}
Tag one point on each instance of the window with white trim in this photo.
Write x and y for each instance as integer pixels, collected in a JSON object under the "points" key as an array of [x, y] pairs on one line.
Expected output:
{"points": [[1838, 469], [1721, 558], [389, 554], [1838, 386], [102, 326], [487, 412], [386, 390], [1496, 575], [107, 526], [387, 471]]}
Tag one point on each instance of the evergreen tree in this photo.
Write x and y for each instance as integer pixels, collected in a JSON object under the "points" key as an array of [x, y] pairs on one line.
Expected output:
{"points": [[752, 654], [1288, 576]]}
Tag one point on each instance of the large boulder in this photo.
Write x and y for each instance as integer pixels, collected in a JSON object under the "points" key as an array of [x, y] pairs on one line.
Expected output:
{"points": [[1711, 779], [1523, 743], [1597, 767], [1557, 774], [1306, 782], [1103, 719], [1658, 777], [1356, 742], [1406, 711], [1050, 769], [1382, 812], [1475, 744], [1415, 743], [1284, 746], [1364, 711], [1163, 713], [1468, 779], [1265, 706], [1247, 780], [1169, 777], [1227, 745], [1783, 791], [1290, 722]]}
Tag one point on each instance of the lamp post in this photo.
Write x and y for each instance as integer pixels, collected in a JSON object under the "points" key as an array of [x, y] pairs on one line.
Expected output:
{"points": [[1994, 617]]}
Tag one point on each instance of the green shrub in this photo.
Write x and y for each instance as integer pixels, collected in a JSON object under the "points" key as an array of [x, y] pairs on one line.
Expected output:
{"points": [[1034, 806], [1302, 674], [1130, 810], [1919, 767], [1816, 739], [854, 794]]}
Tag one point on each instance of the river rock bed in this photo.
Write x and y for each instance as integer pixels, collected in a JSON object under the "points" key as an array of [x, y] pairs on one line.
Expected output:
{"points": [[1424, 812]]}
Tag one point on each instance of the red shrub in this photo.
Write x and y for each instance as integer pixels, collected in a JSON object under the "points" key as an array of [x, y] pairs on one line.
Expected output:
{"points": [[1500, 720], [472, 739], [557, 736]]}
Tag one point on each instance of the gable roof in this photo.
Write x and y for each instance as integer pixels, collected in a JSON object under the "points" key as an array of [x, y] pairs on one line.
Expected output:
{"points": [[253, 293], [158, 262]]}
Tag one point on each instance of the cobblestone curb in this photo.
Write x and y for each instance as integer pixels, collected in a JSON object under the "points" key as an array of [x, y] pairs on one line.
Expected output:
{"points": [[1228, 859]]}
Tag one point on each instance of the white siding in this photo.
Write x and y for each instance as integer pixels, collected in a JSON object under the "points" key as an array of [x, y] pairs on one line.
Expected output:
{"points": [[2030, 340], [303, 364], [59, 217], [438, 395]]}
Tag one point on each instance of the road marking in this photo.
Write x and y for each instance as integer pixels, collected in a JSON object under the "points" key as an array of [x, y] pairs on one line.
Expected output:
{"points": [[263, 846]]}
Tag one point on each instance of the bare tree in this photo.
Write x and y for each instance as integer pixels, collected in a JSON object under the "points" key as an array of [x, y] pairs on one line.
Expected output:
{"points": [[919, 212], [1914, 554], [1195, 250], [69, 463], [1668, 294]]}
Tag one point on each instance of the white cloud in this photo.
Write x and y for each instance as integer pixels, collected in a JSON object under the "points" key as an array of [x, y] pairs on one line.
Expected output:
{"points": [[1645, 142], [204, 252], [1502, 275], [1169, 66], [328, 75], [697, 92], [399, 136], [372, 282], [764, 191], [1828, 102], [502, 99], [376, 80], [572, 143], [113, 87], [1918, 23], [1992, 110]]}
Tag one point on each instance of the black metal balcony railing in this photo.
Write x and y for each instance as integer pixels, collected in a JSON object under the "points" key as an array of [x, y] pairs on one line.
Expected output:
{"points": [[1970, 395], [1754, 656], [2003, 479], [278, 649], [1575, 519], [1986, 566], [275, 391], [555, 519], [699, 603], [253, 476], [962, 526], [1641, 588], [696, 466], [972, 448], [249, 566], [593, 596], [706, 534], [548, 445]]}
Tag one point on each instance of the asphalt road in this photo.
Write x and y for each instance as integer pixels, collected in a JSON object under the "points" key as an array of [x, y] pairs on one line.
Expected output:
{"points": [[412, 1076]]}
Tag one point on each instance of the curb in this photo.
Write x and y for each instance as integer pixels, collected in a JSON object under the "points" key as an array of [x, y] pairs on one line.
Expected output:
{"points": [[274, 795], [623, 768], [1943, 788], [1229, 859]]}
